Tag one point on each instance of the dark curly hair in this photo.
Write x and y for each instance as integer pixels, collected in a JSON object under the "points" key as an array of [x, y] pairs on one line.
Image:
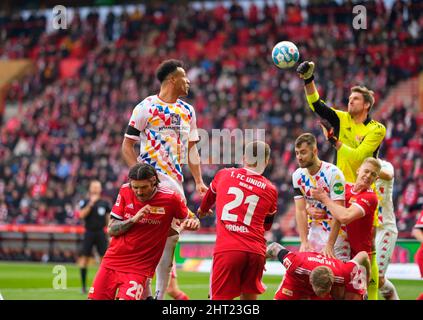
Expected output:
{"points": [[167, 67]]}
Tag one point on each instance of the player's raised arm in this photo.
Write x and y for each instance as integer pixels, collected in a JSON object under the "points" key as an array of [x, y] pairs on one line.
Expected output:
{"points": [[306, 72]]}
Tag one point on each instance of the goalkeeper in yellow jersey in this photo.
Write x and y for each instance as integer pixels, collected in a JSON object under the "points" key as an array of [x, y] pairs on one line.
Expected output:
{"points": [[353, 134]]}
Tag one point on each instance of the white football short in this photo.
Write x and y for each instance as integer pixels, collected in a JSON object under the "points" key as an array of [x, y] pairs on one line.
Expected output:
{"points": [[386, 237]]}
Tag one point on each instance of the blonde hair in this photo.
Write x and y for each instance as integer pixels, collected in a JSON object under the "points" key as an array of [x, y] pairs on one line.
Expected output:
{"points": [[368, 94], [321, 279], [373, 161]]}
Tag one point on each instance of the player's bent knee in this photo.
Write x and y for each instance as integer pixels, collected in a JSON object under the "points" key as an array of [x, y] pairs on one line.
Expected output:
{"points": [[381, 282]]}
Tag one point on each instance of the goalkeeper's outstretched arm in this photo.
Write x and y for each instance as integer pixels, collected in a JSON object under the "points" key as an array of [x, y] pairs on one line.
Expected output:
{"points": [[305, 70]]}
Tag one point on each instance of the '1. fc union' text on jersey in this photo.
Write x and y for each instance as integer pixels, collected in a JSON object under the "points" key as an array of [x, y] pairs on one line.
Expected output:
{"points": [[243, 200]]}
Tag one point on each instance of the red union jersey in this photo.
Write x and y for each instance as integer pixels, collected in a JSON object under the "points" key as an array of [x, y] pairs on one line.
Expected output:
{"points": [[243, 200], [300, 264], [360, 231], [140, 248]]}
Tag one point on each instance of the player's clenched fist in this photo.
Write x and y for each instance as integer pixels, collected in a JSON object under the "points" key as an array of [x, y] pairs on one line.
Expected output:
{"points": [[306, 69], [143, 211], [201, 188], [201, 214], [191, 224]]}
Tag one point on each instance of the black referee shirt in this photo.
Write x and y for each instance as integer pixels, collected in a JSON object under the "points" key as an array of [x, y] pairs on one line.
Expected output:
{"points": [[96, 219]]}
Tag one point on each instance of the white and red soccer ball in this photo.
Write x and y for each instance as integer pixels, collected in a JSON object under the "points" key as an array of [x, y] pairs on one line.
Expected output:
{"points": [[285, 54]]}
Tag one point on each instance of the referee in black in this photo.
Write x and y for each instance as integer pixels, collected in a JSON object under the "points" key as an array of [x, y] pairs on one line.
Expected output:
{"points": [[95, 213]]}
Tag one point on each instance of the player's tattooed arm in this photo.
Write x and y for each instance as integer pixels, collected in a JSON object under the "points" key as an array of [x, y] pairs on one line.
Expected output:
{"points": [[116, 227]]}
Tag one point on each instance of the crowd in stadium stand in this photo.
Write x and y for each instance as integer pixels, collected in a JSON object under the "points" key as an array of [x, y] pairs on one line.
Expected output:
{"points": [[71, 128]]}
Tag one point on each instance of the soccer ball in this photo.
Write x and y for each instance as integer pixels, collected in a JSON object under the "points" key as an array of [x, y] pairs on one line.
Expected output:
{"points": [[285, 54]]}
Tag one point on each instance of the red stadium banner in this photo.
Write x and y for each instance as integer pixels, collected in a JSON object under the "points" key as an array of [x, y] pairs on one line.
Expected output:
{"points": [[25, 228]]}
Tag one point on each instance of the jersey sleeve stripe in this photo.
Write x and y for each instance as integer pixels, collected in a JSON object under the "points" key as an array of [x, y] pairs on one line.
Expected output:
{"points": [[136, 138], [115, 216], [212, 189], [361, 208]]}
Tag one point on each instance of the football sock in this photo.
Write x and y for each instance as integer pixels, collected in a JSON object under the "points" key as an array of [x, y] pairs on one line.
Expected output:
{"points": [[164, 267], [372, 289], [147, 294], [388, 291], [84, 279]]}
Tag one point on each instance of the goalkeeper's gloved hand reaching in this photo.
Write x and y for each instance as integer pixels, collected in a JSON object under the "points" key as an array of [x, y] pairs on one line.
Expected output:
{"points": [[305, 71], [328, 131]]}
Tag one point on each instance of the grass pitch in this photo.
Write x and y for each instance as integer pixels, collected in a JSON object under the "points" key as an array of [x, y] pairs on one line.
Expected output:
{"points": [[34, 281]]}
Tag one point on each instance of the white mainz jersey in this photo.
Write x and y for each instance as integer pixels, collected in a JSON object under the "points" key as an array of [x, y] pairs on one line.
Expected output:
{"points": [[164, 132], [384, 190], [329, 177]]}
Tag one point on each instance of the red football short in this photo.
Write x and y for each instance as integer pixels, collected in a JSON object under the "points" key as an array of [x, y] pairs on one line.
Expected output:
{"points": [[236, 272], [108, 281], [419, 259]]}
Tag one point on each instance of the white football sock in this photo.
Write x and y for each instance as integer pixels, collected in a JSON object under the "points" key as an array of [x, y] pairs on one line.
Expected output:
{"points": [[388, 291], [147, 290], [164, 267]]}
